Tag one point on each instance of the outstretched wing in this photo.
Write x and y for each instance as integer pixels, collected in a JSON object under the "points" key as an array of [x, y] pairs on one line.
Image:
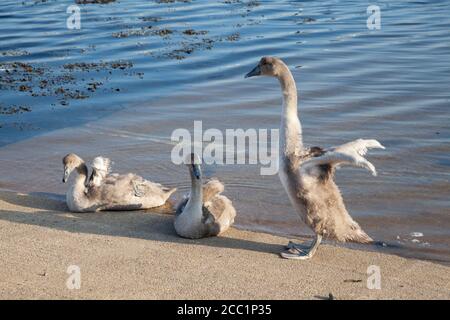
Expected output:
{"points": [[351, 153], [101, 166], [360, 146]]}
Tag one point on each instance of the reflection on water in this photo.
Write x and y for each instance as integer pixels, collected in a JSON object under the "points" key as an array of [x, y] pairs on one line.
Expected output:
{"points": [[137, 70]]}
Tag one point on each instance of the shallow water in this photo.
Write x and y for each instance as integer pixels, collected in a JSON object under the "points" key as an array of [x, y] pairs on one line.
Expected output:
{"points": [[153, 66]]}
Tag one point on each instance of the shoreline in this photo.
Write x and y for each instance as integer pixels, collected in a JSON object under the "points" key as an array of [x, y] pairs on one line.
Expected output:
{"points": [[137, 255], [378, 247]]}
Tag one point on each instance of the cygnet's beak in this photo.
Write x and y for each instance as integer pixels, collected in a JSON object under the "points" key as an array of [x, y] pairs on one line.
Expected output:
{"points": [[66, 176], [196, 171], [255, 72]]}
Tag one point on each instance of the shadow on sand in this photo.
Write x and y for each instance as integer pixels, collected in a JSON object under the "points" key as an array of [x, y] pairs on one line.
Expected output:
{"points": [[154, 225]]}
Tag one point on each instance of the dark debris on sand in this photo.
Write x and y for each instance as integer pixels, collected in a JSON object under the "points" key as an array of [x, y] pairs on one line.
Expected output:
{"points": [[80, 80], [14, 110], [92, 66], [172, 1], [143, 31], [14, 53], [69, 82], [150, 19], [94, 1], [192, 32]]}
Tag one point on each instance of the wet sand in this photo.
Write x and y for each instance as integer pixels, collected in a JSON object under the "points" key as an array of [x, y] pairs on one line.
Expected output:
{"points": [[130, 255]]}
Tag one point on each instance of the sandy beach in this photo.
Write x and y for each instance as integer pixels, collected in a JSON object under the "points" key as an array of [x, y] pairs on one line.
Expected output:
{"points": [[137, 255]]}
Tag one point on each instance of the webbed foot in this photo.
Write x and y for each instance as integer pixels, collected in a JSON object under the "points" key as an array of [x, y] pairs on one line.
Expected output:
{"points": [[297, 251]]}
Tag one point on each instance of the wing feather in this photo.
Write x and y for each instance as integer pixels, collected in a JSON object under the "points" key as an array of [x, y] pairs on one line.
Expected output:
{"points": [[211, 189], [351, 153], [101, 167]]}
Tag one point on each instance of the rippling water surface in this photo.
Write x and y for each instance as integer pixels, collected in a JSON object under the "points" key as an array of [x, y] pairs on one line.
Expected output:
{"points": [[137, 70]]}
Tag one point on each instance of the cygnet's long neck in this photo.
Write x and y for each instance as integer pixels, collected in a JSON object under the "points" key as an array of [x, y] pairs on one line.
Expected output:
{"points": [[195, 203], [81, 179], [291, 130]]}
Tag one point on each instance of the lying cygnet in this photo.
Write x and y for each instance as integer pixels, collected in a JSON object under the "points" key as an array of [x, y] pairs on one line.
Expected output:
{"points": [[205, 212], [106, 191]]}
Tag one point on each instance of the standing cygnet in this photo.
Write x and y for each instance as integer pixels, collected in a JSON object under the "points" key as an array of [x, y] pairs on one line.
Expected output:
{"points": [[205, 212], [106, 191], [307, 173]]}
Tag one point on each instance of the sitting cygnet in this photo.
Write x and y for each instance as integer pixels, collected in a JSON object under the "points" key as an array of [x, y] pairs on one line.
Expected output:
{"points": [[205, 212]]}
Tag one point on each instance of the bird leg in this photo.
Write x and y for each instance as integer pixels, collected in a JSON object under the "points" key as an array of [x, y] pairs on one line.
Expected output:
{"points": [[297, 251]]}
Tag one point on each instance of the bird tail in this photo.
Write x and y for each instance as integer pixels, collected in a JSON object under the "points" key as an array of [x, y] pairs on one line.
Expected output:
{"points": [[358, 235], [170, 191]]}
